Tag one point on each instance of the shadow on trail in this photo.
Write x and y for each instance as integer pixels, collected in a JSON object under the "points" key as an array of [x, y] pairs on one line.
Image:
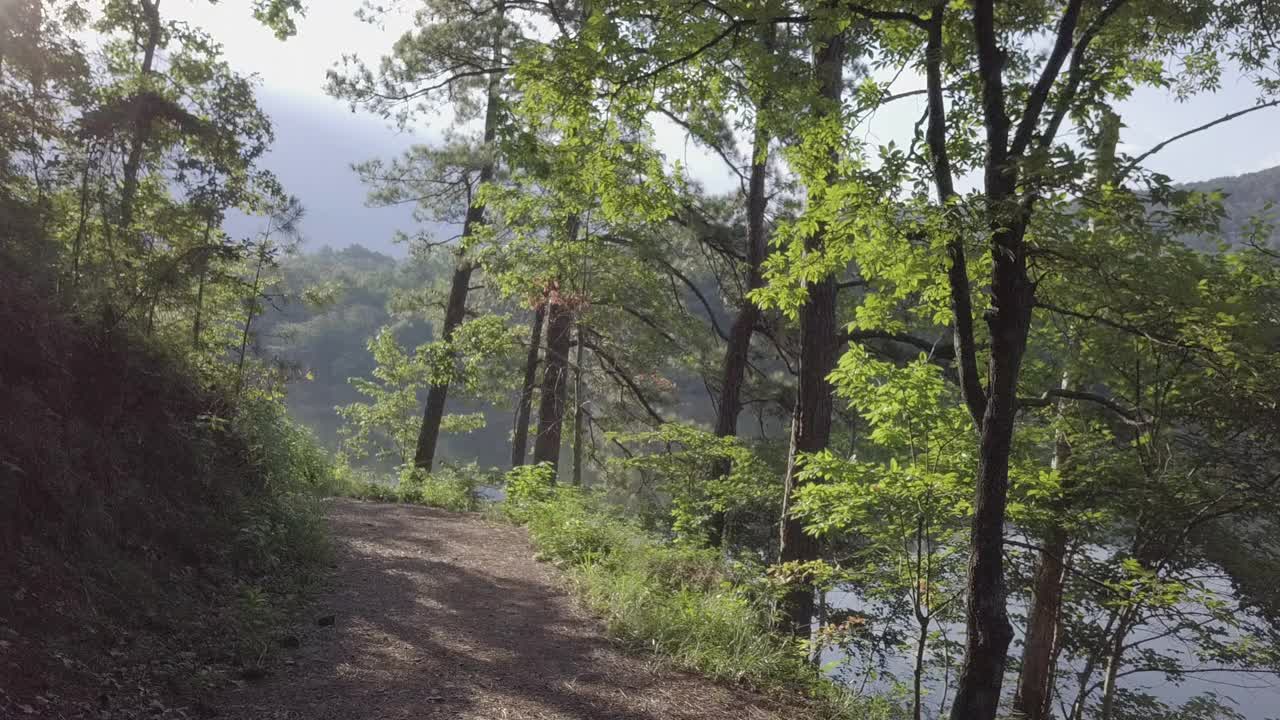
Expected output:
{"points": [[431, 621]]}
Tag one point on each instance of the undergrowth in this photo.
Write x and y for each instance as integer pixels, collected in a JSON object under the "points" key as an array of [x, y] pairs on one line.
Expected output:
{"points": [[157, 523], [684, 602], [455, 488]]}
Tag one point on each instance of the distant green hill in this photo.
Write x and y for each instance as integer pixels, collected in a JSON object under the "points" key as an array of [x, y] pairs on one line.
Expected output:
{"points": [[325, 345], [1247, 196]]}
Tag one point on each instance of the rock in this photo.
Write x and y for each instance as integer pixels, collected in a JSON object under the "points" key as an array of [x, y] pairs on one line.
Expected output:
{"points": [[325, 621]]}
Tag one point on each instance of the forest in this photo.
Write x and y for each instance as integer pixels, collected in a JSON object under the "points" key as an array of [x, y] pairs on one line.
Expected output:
{"points": [[972, 416]]}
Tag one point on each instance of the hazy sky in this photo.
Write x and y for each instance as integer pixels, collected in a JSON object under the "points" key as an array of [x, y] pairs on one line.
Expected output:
{"points": [[318, 137]]}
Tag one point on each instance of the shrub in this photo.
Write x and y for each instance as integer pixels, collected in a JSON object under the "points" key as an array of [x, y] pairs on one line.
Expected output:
{"points": [[283, 523], [526, 486], [569, 530], [450, 487], [682, 601]]}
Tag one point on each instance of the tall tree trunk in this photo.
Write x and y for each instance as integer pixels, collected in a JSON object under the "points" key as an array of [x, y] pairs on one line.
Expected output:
{"points": [[249, 313], [579, 414], [917, 674], [143, 120], [988, 631], [520, 439], [811, 420], [1035, 683], [555, 384], [987, 618], [197, 327], [456, 309], [1084, 678], [737, 350], [1114, 658], [77, 246]]}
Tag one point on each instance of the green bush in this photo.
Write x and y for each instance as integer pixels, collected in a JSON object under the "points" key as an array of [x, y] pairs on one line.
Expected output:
{"points": [[449, 487], [526, 486], [569, 530], [282, 524], [678, 600]]}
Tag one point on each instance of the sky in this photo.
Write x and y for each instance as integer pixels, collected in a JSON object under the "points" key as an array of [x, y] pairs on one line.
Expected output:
{"points": [[318, 137]]}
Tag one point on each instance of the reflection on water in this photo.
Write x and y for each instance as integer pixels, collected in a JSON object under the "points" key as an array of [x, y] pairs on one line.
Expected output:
{"points": [[1255, 696]]}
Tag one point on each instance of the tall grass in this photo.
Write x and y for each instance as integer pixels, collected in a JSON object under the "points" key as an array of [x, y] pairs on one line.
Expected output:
{"points": [[683, 602], [448, 487]]}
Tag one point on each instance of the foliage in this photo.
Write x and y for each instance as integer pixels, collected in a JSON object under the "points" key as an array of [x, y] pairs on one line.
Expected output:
{"points": [[678, 600], [385, 424], [449, 487], [678, 456], [526, 487], [1056, 384], [147, 459]]}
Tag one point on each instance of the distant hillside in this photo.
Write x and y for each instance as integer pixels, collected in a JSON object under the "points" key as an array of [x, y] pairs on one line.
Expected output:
{"points": [[327, 342], [326, 345], [1247, 196]]}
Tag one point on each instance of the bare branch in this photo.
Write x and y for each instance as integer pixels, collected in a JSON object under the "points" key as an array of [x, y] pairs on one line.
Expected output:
{"points": [[1049, 396], [1048, 76], [1132, 164]]}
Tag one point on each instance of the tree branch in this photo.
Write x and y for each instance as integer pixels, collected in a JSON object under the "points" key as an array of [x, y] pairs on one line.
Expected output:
{"points": [[893, 15], [1077, 72], [965, 347], [1047, 398], [1132, 164], [618, 373], [934, 349], [1048, 76]]}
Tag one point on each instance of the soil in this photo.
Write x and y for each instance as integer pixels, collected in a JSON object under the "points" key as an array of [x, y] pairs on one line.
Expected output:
{"points": [[446, 615]]}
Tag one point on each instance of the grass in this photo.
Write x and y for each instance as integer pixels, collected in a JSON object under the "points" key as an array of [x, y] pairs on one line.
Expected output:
{"points": [[685, 603], [449, 488]]}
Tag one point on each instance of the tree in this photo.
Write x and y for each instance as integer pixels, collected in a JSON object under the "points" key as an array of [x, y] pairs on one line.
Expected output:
{"points": [[811, 421], [458, 52], [555, 380], [1019, 105], [520, 438]]}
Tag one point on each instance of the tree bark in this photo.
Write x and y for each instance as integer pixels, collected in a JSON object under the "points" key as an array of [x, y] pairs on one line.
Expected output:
{"points": [[811, 420], [737, 350], [988, 631], [917, 675], [142, 128], [579, 414], [1035, 683], [520, 440], [455, 311], [251, 306], [82, 224], [197, 327], [555, 385], [1114, 658]]}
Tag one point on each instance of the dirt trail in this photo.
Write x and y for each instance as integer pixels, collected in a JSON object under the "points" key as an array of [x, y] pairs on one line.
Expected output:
{"points": [[444, 615]]}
